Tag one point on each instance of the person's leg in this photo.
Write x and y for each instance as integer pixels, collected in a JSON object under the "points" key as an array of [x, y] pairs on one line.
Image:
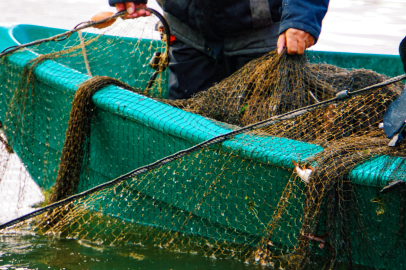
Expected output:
{"points": [[234, 63], [192, 71]]}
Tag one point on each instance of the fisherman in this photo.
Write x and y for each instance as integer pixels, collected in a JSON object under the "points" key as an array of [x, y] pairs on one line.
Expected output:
{"points": [[215, 38]]}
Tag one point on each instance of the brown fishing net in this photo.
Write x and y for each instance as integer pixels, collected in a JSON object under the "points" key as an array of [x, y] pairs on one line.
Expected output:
{"points": [[77, 142], [275, 84], [257, 168]]}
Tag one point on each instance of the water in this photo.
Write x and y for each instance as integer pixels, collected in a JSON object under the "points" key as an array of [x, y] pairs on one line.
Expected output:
{"points": [[33, 252], [373, 26], [369, 26], [360, 26]]}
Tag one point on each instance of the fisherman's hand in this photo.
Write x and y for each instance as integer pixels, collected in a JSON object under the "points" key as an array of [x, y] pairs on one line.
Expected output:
{"points": [[130, 7], [296, 41]]}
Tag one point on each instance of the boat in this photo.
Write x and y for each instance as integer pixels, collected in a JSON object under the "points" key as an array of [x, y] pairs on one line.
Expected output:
{"points": [[131, 131]]}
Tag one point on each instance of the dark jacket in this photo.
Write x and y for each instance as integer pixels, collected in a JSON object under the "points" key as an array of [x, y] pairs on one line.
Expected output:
{"points": [[214, 20]]}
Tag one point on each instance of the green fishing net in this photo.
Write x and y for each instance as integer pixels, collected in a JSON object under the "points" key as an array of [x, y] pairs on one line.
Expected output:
{"points": [[267, 167]]}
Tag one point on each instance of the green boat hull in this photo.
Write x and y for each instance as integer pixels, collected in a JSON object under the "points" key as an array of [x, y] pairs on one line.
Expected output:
{"points": [[150, 135]]}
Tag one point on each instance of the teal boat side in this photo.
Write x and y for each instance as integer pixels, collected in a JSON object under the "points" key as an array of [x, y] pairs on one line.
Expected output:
{"points": [[138, 130], [6, 39], [152, 132], [144, 123], [390, 65]]}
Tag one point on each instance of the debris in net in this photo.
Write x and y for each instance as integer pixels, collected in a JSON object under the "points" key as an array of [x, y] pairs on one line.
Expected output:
{"points": [[304, 173]]}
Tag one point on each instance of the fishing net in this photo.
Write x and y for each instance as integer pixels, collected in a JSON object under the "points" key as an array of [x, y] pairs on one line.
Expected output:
{"points": [[275, 165]]}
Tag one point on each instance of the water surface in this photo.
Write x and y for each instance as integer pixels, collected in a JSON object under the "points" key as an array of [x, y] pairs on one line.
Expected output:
{"points": [[35, 252]]}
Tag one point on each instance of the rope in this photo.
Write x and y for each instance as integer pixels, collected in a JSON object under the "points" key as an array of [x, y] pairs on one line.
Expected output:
{"points": [[84, 52]]}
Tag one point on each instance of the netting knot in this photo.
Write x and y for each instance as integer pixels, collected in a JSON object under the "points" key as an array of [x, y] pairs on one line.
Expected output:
{"points": [[343, 94]]}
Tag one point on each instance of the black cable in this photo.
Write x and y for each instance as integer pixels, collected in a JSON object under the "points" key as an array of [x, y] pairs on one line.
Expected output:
{"points": [[8, 48], [273, 120], [151, 80]]}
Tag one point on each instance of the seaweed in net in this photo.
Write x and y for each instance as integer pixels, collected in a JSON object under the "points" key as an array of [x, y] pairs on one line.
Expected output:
{"points": [[76, 146]]}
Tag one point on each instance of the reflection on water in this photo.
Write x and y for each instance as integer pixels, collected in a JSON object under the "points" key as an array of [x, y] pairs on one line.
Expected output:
{"points": [[363, 26], [33, 252]]}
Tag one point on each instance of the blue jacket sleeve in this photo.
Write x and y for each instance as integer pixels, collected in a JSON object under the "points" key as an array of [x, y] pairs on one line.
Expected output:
{"points": [[113, 2], [305, 15]]}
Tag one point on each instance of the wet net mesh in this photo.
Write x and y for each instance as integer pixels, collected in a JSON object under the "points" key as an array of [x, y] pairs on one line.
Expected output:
{"points": [[257, 168]]}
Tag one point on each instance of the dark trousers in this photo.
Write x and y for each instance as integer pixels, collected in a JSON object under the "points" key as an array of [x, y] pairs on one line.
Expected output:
{"points": [[192, 71]]}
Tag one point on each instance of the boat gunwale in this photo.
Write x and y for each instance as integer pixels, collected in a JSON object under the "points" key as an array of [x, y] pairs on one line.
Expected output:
{"points": [[189, 126]]}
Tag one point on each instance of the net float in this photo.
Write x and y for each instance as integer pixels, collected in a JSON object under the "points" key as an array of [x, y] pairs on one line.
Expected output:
{"points": [[101, 16]]}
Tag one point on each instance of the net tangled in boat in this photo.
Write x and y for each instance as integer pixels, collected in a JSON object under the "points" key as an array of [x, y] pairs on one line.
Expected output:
{"points": [[268, 166]]}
